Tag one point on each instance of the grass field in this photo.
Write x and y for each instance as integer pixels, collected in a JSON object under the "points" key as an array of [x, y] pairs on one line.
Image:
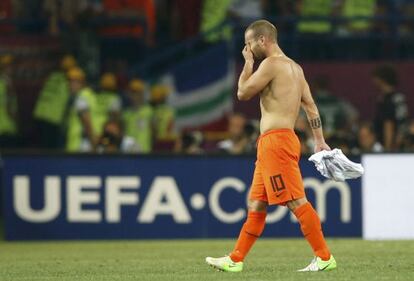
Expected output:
{"points": [[271, 259]]}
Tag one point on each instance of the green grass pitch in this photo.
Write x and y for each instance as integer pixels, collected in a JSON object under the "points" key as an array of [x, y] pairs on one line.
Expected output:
{"points": [[270, 259]]}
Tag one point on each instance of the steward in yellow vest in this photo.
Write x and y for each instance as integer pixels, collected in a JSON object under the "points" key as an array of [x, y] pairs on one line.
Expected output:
{"points": [[164, 114], [82, 121], [52, 103], [214, 13], [358, 8], [107, 101], [8, 105], [315, 8], [138, 118]]}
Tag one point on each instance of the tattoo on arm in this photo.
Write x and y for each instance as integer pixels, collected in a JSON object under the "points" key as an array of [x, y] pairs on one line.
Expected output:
{"points": [[315, 123]]}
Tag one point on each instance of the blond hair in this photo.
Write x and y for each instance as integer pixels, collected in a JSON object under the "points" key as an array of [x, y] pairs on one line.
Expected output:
{"points": [[263, 28]]}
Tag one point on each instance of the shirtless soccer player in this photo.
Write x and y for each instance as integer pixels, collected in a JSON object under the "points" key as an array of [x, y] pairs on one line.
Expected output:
{"points": [[277, 179]]}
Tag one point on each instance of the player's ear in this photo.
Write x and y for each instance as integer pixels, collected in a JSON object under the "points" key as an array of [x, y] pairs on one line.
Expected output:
{"points": [[262, 39]]}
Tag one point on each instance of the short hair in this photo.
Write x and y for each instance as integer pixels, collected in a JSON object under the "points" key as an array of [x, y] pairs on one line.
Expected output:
{"points": [[265, 28], [387, 74]]}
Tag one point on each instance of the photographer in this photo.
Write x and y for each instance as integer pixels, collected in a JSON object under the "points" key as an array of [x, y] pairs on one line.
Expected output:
{"points": [[242, 136], [113, 139]]}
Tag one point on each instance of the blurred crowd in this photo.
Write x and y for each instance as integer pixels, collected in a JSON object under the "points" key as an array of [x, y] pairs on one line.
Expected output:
{"points": [[161, 21], [72, 115], [391, 130]]}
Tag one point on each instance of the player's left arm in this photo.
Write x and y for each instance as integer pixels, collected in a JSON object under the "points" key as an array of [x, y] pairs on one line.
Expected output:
{"points": [[312, 112], [250, 84]]}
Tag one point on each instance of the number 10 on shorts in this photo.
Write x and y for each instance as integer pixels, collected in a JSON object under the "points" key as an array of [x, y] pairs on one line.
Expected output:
{"points": [[277, 183]]}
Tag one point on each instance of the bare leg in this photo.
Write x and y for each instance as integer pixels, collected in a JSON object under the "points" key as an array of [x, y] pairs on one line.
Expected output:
{"points": [[296, 203], [257, 205]]}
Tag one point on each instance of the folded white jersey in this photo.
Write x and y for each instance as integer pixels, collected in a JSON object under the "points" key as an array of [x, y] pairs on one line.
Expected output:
{"points": [[333, 164]]}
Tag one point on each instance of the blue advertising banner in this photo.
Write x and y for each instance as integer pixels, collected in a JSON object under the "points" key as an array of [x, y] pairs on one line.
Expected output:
{"points": [[113, 197]]}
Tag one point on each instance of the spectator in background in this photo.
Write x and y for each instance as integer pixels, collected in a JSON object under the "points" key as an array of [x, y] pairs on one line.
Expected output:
{"points": [[312, 29], [352, 29], [133, 10], [108, 103], [189, 143], [335, 113], [341, 142], [67, 13], [357, 8], [185, 18], [82, 125], [246, 10], [367, 141], [51, 104], [213, 14], [408, 142], [138, 118], [391, 108], [239, 140], [8, 104], [314, 8], [164, 114], [252, 131], [113, 139]]}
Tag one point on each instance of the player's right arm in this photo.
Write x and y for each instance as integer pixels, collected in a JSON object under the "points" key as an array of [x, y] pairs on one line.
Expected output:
{"points": [[309, 106], [251, 83]]}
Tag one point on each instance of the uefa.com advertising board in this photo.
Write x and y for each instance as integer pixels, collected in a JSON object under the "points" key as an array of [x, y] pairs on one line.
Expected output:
{"points": [[127, 197]]}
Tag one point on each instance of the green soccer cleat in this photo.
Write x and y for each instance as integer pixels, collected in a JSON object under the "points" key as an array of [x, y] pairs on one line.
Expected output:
{"points": [[318, 264], [225, 264]]}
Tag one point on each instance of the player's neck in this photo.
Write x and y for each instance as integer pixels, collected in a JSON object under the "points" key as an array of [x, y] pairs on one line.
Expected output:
{"points": [[275, 51]]}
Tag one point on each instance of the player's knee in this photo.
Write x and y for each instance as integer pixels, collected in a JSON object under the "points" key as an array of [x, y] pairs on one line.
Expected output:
{"points": [[257, 206], [296, 203]]}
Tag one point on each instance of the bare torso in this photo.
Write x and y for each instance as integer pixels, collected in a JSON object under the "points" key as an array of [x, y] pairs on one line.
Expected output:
{"points": [[280, 100]]}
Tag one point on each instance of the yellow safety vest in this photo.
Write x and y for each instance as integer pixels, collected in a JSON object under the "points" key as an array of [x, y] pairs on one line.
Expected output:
{"points": [[7, 124], [75, 132], [163, 118], [315, 8], [52, 102], [104, 100], [138, 124], [355, 8], [214, 12]]}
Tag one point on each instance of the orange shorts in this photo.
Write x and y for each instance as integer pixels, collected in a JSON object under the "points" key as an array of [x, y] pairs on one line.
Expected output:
{"points": [[277, 178]]}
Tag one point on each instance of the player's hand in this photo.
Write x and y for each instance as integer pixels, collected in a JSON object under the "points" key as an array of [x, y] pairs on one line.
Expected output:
{"points": [[247, 53], [319, 146]]}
